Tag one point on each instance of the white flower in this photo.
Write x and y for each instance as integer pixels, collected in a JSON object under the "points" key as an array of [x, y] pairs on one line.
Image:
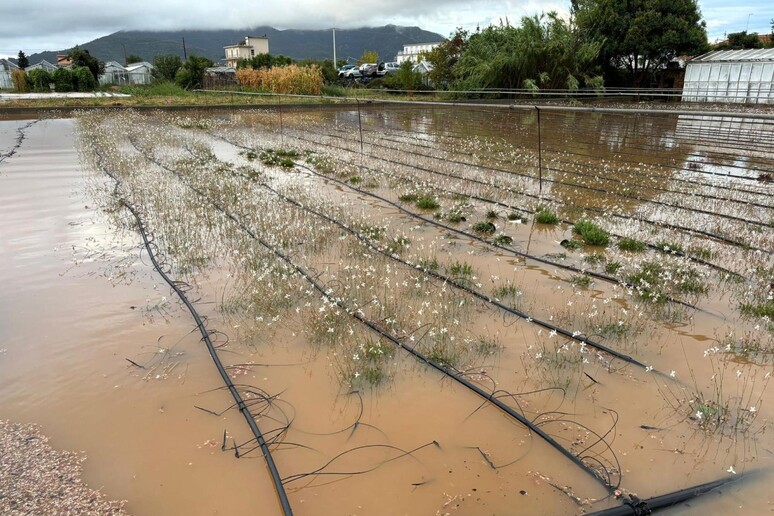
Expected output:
{"points": [[672, 374], [731, 470], [649, 369], [699, 414], [753, 409]]}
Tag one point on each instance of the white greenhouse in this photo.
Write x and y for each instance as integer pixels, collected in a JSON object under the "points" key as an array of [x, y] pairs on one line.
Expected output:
{"points": [[745, 76]]}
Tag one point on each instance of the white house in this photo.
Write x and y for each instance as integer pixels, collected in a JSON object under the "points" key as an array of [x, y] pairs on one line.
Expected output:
{"points": [[412, 51], [250, 47]]}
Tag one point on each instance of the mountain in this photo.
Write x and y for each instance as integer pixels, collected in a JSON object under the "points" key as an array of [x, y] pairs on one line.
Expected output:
{"points": [[298, 44]]}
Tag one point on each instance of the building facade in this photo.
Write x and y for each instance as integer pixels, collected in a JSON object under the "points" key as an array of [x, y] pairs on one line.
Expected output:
{"points": [[247, 49], [412, 51]]}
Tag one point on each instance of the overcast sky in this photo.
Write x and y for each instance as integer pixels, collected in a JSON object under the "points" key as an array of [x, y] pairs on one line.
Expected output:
{"points": [[39, 25]]}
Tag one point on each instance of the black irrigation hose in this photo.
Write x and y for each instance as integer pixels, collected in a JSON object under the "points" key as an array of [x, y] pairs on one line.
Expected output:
{"points": [[569, 184], [667, 225], [19, 140], [488, 396], [634, 506], [451, 281], [401, 138], [276, 478], [593, 274]]}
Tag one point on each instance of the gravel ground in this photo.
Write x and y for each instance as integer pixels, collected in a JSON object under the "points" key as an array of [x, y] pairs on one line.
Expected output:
{"points": [[36, 479]]}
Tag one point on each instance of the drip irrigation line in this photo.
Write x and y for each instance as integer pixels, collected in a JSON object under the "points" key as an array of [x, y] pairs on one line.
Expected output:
{"points": [[528, 146], [667, 225], [634, 506], [582, 128], [633, 174], [446, 279], [590, 188], [571, 268], [461, 286], [283, 499], [443, 369], [19, 140]]}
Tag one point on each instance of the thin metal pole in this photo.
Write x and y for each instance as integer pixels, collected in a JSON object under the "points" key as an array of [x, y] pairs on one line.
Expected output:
{"points": [[282, 131], [360, 126], [540, 153]]}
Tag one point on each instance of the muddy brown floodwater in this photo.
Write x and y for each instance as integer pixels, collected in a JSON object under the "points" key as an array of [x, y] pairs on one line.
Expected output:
{"points": [[97, 350]]}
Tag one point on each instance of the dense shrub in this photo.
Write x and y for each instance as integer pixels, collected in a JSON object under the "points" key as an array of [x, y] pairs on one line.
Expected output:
{"points": [[291, 79], [62, 79], [83, 80], [39, 80]]}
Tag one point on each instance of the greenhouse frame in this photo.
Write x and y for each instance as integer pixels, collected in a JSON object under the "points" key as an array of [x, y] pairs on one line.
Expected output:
{"points": [[743, 76]]}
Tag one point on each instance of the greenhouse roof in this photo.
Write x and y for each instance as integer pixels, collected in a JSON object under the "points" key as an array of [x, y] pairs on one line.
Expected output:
{"points": [[758, 54]]}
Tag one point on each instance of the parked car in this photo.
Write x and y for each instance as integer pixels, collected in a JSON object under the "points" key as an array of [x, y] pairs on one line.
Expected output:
{"points": [[346, 70], [391, 67], [373, 70]]}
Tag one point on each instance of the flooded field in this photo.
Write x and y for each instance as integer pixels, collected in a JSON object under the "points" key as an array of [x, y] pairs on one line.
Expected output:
{"points": [[424, 311]]}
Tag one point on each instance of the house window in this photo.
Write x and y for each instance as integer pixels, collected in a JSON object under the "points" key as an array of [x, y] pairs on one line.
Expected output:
{"points": [[252, 52]]}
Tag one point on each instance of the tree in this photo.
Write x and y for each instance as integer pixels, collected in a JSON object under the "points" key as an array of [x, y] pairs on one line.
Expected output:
{"points": [[741, 40], [133, 58], [259, 61], [544, 52], [405, 78], [444, 57], [191, 74], [81, 57], [165, 67], [369, 56], [22, 60], [641, 36]]}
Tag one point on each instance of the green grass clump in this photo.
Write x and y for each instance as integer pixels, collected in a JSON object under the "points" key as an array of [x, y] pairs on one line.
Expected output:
{"points": [[355, 180], [502, 240], [571, 244], [484, 227], [491, 214], [515, 216], [669, 247], [486, 346], [581, 280], [591, 233], [397, 245], [654, 281], [758, 309], [427, 202], [429, 264], [595, 258], [372, 232], [279, 158], [613, 267], [455, 217], [506, 290], [460, 270], [632, 245], [546, 216], [408, 197]]}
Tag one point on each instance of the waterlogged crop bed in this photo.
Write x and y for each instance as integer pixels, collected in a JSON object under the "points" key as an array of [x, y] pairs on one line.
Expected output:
{"points": [[423, 317]]}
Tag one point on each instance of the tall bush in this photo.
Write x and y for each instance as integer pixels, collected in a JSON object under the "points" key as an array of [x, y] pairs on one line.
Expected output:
{"points": [[20, 82], [39, 80], [62, 79], [83, 80]]}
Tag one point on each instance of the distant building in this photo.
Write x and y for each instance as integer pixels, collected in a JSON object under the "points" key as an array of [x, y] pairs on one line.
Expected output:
{"points": [[219, 77], [745, 76], [140, 73], [6, 69], [412, 51], [250, 47], [115, 73], [63, 60], [42, 65]]}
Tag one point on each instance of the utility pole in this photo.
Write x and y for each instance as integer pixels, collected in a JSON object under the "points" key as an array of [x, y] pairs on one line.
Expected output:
{"points": [[334, 48], [748, 23], [185, 53]]}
